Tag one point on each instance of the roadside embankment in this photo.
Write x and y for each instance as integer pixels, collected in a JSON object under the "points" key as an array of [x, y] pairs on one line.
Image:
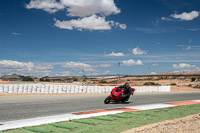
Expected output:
{"points": [[189, 124]]}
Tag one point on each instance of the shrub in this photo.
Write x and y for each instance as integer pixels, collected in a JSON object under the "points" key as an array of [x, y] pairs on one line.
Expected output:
{"points": [[193, 79], [103, 81], [190, 85], [75, 79], [44, 80], [151, 83], [27, 79], [173, 84]]}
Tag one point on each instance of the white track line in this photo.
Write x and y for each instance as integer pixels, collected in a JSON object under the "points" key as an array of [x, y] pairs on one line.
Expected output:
{"points": [[151, 106]]}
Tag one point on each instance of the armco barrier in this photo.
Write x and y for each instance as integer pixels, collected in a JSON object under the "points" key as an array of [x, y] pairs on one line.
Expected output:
{"points": [[40, 88]]}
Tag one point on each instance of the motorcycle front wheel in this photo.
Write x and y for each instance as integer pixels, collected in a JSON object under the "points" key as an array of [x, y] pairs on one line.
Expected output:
{"points": [[107, 100]]}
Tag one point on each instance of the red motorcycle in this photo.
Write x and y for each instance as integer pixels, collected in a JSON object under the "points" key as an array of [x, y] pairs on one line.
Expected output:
{"points": [[118, 96]]}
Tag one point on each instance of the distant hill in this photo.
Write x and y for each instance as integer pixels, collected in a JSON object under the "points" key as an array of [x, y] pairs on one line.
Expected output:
{"points": [[12, 76], [179, 73]]}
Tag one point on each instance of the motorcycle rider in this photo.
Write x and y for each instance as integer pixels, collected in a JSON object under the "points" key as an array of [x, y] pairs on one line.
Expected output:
{"points": [[127, 90]]}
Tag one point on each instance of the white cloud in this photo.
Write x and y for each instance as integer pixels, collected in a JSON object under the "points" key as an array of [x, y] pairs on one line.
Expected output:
{"points": [[154, 65], [93, 22], [84, 8], [66, 73], [50, 6], [16, 33], [138, 51], [24, 68], [115, 54], [193, 69], [90, 23], [166, 19], [91, 13], [106, 72], [183, 65], [158, 43], [105, 65], [9, 64], [132, 62], [122, 26], [187, 48], [79, 66], [186, 16], [194, 29], [153, 73], [80, 8]]}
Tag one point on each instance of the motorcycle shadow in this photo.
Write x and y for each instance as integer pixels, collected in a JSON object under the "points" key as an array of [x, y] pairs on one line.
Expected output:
{"points": [[120, 103]]}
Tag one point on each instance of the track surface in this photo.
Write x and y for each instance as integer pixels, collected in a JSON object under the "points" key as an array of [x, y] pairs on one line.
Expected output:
{"points": [[30, 106]]}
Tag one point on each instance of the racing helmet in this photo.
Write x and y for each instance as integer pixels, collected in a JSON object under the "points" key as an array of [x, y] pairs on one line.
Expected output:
{"points": [[127, 86]]}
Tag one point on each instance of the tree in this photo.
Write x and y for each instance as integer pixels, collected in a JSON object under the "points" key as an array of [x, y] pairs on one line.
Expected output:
{"points": [[84, 78], [75, 79], [44, 80], [27, 79]]}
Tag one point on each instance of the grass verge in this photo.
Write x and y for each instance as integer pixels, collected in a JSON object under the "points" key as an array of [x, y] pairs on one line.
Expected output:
{"points": [[114, 123]]}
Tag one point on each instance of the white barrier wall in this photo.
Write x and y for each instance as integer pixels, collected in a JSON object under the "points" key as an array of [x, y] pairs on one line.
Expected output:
{"points": [[40, 88]]}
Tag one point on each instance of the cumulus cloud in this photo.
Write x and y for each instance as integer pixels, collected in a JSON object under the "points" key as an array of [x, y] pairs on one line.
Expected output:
{"points": [[122, 26], [50, 6], [80, 8], [84, 8], [186, 16], [132, 62], [115, 54], [138, 51], [90, 23], [183, 65], [24, 68], [93, 22], [91, 13], [79, 66]]}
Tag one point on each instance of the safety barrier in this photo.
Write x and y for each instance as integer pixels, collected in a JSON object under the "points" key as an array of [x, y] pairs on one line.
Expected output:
{"points": [[40, 88]]}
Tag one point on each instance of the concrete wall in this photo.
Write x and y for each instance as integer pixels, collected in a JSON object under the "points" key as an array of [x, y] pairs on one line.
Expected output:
{"points": [[39, 88]]}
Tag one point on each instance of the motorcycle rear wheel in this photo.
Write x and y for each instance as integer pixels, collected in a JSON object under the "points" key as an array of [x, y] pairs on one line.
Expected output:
{"points": [[107, 100], [123, 100]]}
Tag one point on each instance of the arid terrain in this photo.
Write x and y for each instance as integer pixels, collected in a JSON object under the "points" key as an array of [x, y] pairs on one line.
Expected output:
{"points": [[189, 124], [177, 83]]}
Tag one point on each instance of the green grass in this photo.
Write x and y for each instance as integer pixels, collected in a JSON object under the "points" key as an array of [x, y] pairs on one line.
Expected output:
{"points": [[38, 129], [60, 125], [104, 119], [114, 123]]}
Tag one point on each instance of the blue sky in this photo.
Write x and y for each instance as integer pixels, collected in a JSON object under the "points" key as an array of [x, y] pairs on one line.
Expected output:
{"points": [[90, 37]]}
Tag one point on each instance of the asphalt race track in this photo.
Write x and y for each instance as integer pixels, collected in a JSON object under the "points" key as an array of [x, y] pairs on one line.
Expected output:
{"points": [[31, 106]]}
